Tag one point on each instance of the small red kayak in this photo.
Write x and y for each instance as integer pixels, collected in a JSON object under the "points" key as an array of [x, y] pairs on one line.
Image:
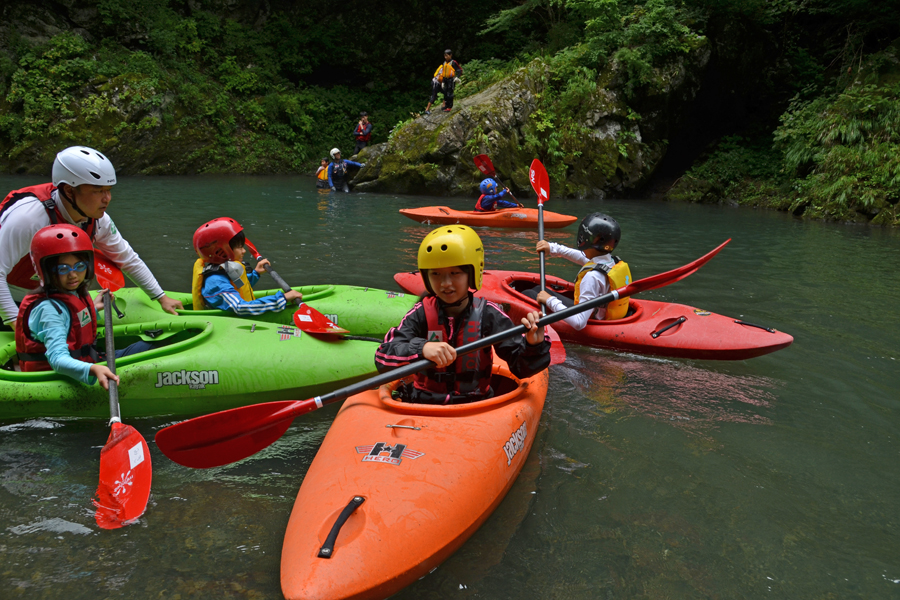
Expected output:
{"points": [[396, 488], [654, 328], [521, 218]]}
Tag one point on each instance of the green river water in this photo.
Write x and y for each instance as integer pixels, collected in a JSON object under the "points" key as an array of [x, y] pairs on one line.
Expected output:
{"points": [[775, 477]]}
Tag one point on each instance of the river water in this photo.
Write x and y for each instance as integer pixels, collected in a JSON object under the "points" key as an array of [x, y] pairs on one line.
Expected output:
{"points": [[775, 477]]}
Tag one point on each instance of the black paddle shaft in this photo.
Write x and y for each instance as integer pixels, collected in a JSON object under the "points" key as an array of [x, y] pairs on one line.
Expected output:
{"points": [[421, 365], [114, 415]]}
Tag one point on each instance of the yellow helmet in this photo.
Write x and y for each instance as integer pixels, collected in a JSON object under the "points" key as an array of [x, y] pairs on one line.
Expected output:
{"points": [[452, 246]]}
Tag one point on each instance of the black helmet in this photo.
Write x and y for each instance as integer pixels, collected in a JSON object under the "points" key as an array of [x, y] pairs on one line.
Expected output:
{"points": [[599, 231]]}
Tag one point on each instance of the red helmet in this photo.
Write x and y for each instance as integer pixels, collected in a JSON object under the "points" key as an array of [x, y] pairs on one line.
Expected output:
{"points": [[212, 240], [54, 240]]}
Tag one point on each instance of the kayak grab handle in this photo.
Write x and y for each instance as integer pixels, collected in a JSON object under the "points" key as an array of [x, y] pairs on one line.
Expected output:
{"points": [[443, 211], [327, 549], [677, 321], [769, 329]]}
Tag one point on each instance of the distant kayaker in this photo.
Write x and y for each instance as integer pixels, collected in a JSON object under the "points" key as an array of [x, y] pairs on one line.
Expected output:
{"points": [[491, 199], [56, 325], [337, 171], [79, 195], [220, 279], [363, 132], [444, 82], [601, 272], [322, 175], [451, 261]]}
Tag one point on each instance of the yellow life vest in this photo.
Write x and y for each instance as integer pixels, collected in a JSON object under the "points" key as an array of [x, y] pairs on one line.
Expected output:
{"points": [[323, 174], [445, 71], [245, 290], [618, 276]]}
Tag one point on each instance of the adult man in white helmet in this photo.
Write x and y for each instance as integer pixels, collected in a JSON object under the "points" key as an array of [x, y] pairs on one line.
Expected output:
{"points": [[337, 171], [79, 194]]}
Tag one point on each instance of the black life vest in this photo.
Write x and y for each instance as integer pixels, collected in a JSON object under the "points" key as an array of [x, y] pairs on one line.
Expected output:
{"points": [[23, 275], [80, 339], [469, 374], [338, 169]]}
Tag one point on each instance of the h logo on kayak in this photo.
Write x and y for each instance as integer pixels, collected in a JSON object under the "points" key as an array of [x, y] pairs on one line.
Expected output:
{"points": [[385, 453]]}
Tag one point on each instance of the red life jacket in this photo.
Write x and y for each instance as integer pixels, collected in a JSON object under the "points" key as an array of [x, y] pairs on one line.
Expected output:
{"points": [[22, 275], [81, 337], [359, 136], [478, 206], [467, 375]]}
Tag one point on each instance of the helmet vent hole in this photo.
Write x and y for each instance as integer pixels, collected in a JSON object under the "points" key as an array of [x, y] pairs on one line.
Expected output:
{"points": [[85, 152], [59, 236], [94, 175], [443, 247]]}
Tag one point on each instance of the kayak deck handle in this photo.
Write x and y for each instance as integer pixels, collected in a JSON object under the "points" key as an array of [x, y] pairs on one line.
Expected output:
{"points": [[327, 549], [677, 321], [404, 427], [769, 329], [444, 211]]}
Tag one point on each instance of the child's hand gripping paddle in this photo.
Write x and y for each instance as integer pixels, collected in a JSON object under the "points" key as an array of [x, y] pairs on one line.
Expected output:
{"points": [[232, 435], [307, 319], [125, 469]]}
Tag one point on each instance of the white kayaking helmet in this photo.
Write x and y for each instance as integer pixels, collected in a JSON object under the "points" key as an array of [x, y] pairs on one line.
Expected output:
{"points": [[79, 164], [334, 152]]}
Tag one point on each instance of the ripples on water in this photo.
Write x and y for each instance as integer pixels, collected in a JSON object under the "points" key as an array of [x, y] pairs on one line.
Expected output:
{"points": [[775, 477]]}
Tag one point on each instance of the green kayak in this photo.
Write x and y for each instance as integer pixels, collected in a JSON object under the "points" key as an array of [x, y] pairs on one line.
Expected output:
{"points": [[362, 311], [202, 365]]}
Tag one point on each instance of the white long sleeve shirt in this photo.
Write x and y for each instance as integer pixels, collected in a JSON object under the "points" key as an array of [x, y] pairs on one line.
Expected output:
{"points": [[19, 224], [593, 284]]}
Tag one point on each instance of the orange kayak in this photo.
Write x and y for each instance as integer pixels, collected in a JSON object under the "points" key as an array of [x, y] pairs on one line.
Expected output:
{"points": [[521, 218], [396, 488]]}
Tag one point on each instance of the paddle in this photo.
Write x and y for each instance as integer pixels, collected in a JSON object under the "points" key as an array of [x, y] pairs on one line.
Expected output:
{"points": [[541, 185], [110, 277], [307, 319], [125, 469], [225, 437], [484, 164]]}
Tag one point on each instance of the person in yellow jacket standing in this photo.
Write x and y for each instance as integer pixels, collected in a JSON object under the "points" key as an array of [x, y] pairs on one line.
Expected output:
{"points": [[322, 175], [600, 271], [444, 81]]}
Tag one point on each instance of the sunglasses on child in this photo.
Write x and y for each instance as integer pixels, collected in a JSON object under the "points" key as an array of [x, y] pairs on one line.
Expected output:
{"points": [[66, 269]]}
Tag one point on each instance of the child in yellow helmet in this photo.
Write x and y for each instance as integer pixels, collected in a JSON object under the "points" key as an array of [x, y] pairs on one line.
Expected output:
{"points": [[451, 261]]}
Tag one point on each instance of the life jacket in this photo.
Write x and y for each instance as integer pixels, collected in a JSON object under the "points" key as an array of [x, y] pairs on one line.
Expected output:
{"points": [[359, 136], [22, 275], [618, 276], [469, 374], [445, 71], [202, 270], [339, 170], [323, 174], [80, 339], [478, 206]]}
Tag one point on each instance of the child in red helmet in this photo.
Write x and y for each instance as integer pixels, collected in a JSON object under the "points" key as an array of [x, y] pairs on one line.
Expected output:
{"points": [[57, 325], [220, 279]]}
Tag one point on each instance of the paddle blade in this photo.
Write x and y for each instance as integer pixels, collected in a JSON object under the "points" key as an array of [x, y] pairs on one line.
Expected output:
{"points": [[109, 275], [229, 436], [309, 320], [557, 350], [540, 182], [125, 475], [669, 277], [252, 248], [485, 165]]}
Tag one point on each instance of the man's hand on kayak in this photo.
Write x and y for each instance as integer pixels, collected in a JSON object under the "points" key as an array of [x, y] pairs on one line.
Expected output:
{"points": [[169, 304], [440, 353]]}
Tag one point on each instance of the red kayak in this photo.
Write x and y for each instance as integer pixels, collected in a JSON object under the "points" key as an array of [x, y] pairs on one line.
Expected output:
{"points": [[655, 328], [521, 218]]}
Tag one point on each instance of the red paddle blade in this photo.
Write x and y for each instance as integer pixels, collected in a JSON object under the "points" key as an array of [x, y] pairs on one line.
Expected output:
{"points": [[252, 248], [125, 475], [108, 273], [310, 320], [557, 350], [229, 436], [669, 277], [485, 165], [540, 182]]}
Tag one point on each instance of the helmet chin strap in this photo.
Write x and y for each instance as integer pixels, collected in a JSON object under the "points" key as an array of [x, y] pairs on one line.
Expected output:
{"points": [[72, 202]]}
